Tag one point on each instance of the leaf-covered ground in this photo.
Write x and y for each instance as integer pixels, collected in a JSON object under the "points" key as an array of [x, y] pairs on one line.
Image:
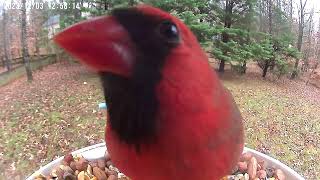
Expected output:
{"points": [[58, 113], [281, 120]]}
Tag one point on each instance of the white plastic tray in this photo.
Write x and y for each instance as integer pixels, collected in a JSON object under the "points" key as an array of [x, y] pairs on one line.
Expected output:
{"points": [[97, 151]]}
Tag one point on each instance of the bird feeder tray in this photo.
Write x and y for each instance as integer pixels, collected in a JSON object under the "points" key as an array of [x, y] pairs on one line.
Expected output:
{"points": [[98, 151]]}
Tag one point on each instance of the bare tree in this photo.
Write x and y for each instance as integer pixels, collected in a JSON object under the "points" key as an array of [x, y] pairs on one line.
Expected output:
{"points": [[291, 10], [37, 18], [301, 15], [308, 45], [4, 41], [317, 43], [25, 52], [287, 7]]}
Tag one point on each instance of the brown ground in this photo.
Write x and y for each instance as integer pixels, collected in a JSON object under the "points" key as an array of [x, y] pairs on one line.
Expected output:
{"points": [[58, 113]]}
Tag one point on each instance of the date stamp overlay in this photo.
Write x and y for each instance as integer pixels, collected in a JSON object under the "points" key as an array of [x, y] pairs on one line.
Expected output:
{"points": [[43, 5]]}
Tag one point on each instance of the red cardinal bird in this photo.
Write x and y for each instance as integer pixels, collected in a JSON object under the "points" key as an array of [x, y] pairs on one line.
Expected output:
{"points": [[169, 117]]}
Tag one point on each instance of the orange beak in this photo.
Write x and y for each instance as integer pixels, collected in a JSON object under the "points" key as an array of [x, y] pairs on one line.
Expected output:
{"points": [[101, 43]]}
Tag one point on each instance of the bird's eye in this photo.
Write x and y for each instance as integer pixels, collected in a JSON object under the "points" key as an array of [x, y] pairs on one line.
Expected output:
{"points": [[169, 32]]}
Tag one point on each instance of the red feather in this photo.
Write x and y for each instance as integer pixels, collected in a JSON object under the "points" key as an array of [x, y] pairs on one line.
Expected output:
{"points": [[201, 131]]}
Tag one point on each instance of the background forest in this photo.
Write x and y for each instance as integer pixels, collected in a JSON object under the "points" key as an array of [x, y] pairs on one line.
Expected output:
{"points": [[280, 35]]}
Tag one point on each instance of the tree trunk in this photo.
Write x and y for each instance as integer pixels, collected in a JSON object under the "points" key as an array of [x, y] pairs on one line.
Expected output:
{"points": [[227, 24], [5, 45], [265, 69], [221, 66], [299, 45], [291, 10], [3, 62], [38, 52], [270, 16], [267, 63], [106, 7], [25, 52], [295, 70], [309, 43], [300, 36], [244, 67], [77, 12], [314, 68], [262, 24]]}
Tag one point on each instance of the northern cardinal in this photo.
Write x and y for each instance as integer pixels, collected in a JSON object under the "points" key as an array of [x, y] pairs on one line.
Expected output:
{"points": [[169, 116]]}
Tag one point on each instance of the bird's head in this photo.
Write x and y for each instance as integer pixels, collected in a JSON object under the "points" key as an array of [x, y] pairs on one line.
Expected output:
{"points": [[130, 48], [116, 43]]}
